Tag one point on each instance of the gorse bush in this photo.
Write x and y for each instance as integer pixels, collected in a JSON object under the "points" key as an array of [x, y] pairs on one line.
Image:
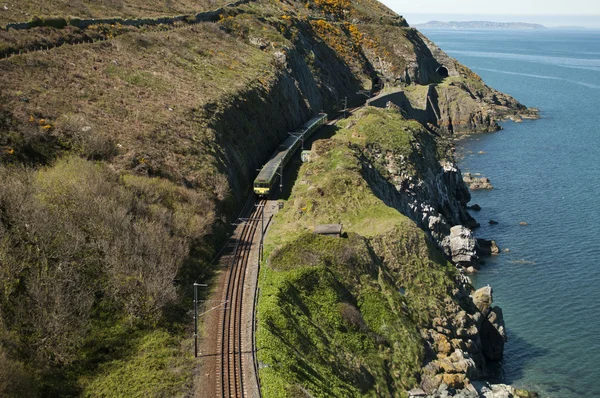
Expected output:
{"points": [[333, 7]]}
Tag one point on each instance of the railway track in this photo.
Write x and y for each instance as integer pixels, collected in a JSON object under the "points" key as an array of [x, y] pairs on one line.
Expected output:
{"points": [[231, 328]]}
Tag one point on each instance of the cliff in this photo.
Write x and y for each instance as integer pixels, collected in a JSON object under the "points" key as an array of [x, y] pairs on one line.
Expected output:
{"points": [[124, 159]]}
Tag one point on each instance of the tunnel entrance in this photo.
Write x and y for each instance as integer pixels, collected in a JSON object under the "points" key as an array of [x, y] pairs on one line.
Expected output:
{"points": [[442, 71]]}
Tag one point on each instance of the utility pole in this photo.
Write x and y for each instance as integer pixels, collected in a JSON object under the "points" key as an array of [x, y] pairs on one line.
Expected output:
{"points": [[196, 285]]}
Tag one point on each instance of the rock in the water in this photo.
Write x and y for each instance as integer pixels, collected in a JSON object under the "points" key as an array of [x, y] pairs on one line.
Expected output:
{"points": [[492, 222], [493, 335], [495, 249], [487, 247], [481, 183], [492, 331], [482, 298], [522, 393], [474, 207], [463, 246], [523, 223], [477, 182]]}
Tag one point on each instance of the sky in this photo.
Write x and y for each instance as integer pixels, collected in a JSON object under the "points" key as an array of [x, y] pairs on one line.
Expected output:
{"points": [[547, 12]]}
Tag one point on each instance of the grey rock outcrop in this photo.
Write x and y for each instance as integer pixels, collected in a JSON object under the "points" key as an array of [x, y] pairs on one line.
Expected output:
{"points": [[463, 246], [435, 197]]}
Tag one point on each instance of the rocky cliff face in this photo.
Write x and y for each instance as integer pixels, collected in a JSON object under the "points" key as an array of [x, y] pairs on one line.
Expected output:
{"points": [[463, 341]]}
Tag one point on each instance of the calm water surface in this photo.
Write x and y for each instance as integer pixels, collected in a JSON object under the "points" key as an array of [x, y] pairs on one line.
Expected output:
{"points": [[546, 173]]}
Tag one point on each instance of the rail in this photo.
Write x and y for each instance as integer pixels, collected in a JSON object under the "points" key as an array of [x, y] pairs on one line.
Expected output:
{"points": [[231, 355]]}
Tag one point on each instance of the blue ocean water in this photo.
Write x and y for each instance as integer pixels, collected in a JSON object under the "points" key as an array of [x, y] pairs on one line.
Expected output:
{"points": [[546, 173]]}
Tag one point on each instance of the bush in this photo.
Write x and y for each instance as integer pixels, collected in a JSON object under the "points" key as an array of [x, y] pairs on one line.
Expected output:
{"points": [[79, 244]]}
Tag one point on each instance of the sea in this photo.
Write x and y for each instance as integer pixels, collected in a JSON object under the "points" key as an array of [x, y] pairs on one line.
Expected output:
{"points": [[545, 173]]}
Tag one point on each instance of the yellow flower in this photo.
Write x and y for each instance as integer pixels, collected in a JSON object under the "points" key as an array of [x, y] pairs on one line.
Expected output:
{"points": [[42, 121], [10, 151], [31, 119], [47, 126]]}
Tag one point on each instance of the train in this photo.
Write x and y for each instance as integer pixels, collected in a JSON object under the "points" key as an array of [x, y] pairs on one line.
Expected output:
{"points": [[270, 173]]}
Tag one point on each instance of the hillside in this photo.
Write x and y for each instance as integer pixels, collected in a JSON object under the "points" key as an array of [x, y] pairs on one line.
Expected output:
{"points": [[124, 158]]}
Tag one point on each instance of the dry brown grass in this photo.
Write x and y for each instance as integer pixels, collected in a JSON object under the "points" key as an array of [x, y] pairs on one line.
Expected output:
{"points": [[24, 10], [144, 91]]}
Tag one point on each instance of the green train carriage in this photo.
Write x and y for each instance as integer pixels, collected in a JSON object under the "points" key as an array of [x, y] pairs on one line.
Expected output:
{"points": [[269, 174]]}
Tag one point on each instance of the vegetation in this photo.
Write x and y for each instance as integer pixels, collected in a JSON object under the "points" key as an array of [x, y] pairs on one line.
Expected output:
{"points": [[90, 258], [341, 317]]}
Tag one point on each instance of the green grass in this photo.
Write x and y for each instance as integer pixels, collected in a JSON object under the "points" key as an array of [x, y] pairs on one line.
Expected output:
{"points": [[331, 190], [306, 340], [156, 366], [384, 129]]}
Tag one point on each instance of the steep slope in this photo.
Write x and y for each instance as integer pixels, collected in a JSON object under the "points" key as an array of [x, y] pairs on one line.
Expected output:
{"points": [[123, 160]]}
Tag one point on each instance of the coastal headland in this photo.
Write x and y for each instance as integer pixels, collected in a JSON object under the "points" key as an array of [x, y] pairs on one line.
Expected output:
{"points": [[126, 152]]}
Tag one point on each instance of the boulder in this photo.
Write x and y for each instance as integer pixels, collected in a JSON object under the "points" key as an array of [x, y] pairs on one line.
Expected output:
{"points": [[480, 183], [482, 298], [454, 380], [474, 207], [487, 247], [521, 393], [463, 246]]}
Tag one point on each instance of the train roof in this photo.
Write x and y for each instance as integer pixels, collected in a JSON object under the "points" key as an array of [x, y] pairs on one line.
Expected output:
{"points": [[312, 121], [270, 168]]}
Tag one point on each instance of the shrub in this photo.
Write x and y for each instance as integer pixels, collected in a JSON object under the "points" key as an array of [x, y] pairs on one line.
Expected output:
{"points": [[75, 239]]}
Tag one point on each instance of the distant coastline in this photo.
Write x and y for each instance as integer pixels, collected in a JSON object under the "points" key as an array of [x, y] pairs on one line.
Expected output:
{"points": [[477, 25]]}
